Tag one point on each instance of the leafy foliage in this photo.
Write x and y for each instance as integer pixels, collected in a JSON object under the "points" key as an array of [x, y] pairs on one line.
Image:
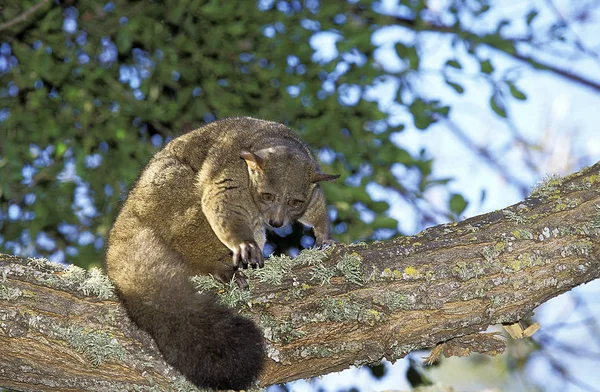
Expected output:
{"points": [[90, 90]]}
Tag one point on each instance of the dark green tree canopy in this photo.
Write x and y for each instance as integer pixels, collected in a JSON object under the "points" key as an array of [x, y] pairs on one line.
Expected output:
{"points": [[90, 89]]}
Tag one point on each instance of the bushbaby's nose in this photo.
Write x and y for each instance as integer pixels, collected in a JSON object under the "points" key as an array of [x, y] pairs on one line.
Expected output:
{"points": [[275, 223]]}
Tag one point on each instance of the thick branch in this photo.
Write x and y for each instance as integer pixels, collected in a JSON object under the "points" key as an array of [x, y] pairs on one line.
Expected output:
{"points": [[322, 311]]}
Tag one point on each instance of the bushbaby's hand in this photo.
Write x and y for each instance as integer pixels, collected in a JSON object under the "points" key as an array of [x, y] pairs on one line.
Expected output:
{"points": [[322, 243], [241, 280], [248, 252]]}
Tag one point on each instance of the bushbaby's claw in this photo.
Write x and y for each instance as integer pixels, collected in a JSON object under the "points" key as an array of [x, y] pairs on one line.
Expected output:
{"points": [[241, 280], [248, 252], [322, 243]]}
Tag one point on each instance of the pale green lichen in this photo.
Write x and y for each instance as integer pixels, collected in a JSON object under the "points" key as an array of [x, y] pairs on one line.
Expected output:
{"points": [[97, 346], [283, 332], [471, 229], [96, 283], [275, 270], [548, 187], [466, 271], [582, 186], [296, 291], [515, 217], [566, 204], [581, 248], [351, 267], [312, 256], [317, 351], [233, 296], [498, 300], [206, 283], [490, 253], [399, 351], [74, 274], [596, 220], [321, 273], [229, 294], [533, 259], [8, 293], [92, 282], [37, 262], [396, 301], [507, 244], [515, 264], [342, 309], [391, 274], [522, 234]]}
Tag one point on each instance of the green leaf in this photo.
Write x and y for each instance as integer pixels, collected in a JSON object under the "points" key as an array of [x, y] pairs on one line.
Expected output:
{"points": [[408, 53], [443, 110], [503, 23], [124, 40], [379, 207], [422, 122], [515, 92], [421, 112], [497, 105], [384, 222], [530, 16], [457, 87], [457, 204], [454, 64], [486, 66], [359, 194]]}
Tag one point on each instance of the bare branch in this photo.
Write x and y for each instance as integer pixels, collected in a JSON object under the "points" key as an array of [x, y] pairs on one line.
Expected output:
{"points": [[468, 36], [486, 156], [23, 15], [579, 44]]}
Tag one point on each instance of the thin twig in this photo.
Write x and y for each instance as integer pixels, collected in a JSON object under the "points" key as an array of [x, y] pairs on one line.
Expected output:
{"points": [[23, 16], [577, 38], [487, 156], [467, 35]]}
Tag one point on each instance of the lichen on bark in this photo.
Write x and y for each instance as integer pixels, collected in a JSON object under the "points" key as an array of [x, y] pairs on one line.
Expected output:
{"points": [[327, 309]]}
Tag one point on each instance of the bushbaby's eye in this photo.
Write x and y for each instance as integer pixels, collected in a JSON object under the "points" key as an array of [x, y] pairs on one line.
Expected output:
{"points": [[296, 203], [267, 196]]}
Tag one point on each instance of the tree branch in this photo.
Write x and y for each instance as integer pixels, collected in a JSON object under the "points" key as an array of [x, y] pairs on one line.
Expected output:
{"points": [[23, 15], [322, 311], [509, 50]]}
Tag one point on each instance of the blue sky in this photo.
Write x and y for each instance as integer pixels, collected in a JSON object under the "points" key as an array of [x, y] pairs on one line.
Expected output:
{"points": [[558, 118]]}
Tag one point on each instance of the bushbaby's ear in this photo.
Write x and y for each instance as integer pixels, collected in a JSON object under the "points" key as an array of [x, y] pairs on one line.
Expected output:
{"points": [[253, 161], [318, 177]]}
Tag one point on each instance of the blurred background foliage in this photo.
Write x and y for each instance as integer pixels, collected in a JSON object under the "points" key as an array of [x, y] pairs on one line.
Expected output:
{"points": [[90, 89]]}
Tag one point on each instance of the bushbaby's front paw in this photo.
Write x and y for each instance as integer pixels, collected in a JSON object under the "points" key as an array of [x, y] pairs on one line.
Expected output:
{"points": [[248, 252], [322, 243], [238, 277], [241, 280]]}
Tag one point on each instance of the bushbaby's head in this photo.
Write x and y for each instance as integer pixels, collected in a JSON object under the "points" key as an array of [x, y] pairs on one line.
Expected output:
{"points": [[282, 180]]}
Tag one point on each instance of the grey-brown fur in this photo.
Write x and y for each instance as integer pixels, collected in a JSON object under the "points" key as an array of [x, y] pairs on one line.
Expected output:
{"points": [[201, 201]]}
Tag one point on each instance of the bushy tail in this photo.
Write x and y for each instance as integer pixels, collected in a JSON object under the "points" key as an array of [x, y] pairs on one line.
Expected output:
{"points": [[207, 342]]}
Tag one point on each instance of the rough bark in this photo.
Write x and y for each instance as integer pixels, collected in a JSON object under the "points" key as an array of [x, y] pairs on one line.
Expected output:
{"points": [[63, 330]]}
